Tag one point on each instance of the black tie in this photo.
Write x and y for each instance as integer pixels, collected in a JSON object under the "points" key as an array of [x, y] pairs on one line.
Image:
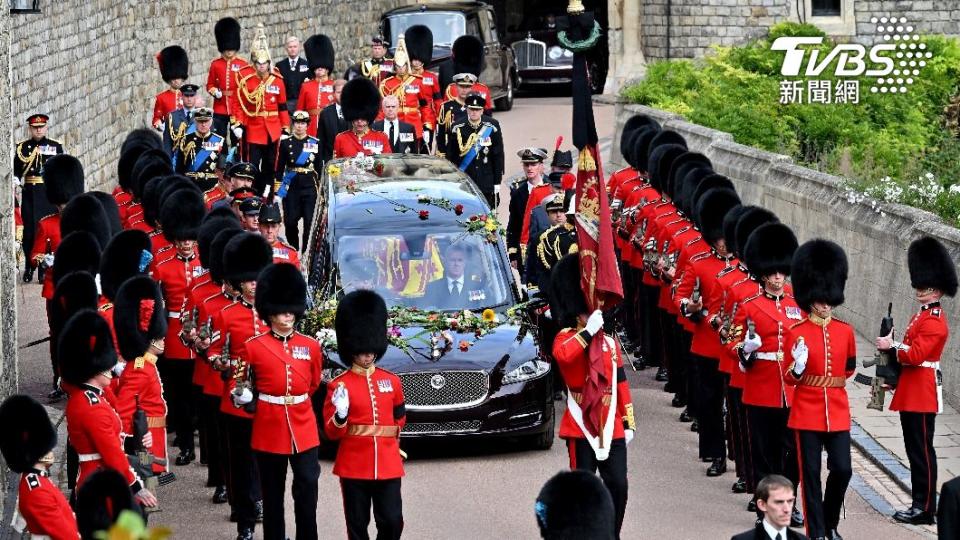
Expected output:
{"points": [[293, 64], [390, 133], [456, 288], [779, 537]]}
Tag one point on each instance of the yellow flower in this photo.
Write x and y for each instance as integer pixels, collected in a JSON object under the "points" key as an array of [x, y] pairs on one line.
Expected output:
{"points": [[333, 171], [489, 316], [491, 225]]}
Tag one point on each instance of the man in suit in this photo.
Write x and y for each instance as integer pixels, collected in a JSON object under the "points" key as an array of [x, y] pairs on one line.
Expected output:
{"points": [[331, 123], [403, 138], [775, 499], [180, 121], [294, 70], [454, 290]]}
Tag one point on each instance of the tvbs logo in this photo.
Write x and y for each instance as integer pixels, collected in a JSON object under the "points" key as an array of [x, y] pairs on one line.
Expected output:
{"points": [[851, 59]]}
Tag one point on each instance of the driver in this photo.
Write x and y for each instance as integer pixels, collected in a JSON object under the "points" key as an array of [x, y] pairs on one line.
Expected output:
{"points": [[454, 290]]}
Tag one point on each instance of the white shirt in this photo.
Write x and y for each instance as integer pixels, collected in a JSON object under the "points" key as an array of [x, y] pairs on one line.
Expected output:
{"points": [[293, 62], [773, 531], [339, 111], [450, 284]]}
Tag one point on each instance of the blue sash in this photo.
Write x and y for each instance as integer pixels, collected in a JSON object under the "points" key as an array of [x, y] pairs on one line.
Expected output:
{"points": [[288, 176], [203, 153], [472, 154]]}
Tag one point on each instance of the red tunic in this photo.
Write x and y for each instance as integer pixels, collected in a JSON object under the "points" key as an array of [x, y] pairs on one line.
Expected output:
{"points": [[720, 306], [211, 307], [370, 437], [218, 79], [202, 289], [284, 368], [175, 277], [212, 195], [165, 103], [94, 430], [478, 88], [348, 144], [706, 267], [141, 380], [314, 96], [537, 195], [238, 321], [416, 101], [45, 509], [820, 399], [284, 253], [46, 240], [262, 107], [923, 343]]}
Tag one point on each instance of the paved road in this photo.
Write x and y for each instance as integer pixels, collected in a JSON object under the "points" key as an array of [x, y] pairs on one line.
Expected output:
{"points": [[481, 491]]}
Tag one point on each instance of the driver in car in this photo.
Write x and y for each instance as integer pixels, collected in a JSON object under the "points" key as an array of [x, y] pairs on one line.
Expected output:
{"points": [[455, 290]]}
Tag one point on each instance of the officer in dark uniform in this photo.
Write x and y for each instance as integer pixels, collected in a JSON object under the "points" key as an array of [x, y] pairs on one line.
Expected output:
{"points": [[28, 162], [296, 180], [454, 110], [198, 152], [180, 122], [376, 68], [520, 187], [475, 144], [551, 245]]}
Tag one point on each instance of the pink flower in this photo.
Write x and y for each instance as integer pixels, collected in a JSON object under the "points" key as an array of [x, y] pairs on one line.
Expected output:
{"points": [[394, 331], [458, 209], [424, 214]]}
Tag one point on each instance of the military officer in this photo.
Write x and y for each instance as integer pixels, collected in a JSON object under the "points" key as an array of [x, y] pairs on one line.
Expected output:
{"points": [[551, 245], [269, 223], [420, 46], [297, 178], [454, 110], [180, 122], [468, 57], [416, 98], [28, 162], [919, 393], [360, 102], [224, 76], [240, 175], [174, 68], [376, 68], [318, 92], [476, 147], [199, 151], [520, 188]]}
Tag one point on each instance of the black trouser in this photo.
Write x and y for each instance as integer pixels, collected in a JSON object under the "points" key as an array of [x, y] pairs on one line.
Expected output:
{"points": [[177, 377], [264, 157], [918, 429], [33, 207], [243, 478], [213, 448], [736, 425], [299, 202], [822, 508], [305, 490], [490, 195], [52, 343], [709, 406], [221, 126], [772, 442], [613, 470], [650, 336], [674, 356], [387, 503]]}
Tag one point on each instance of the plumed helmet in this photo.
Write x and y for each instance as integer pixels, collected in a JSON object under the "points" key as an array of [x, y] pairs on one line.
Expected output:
{"points": [[85, 213], [360, 100], [575, 504], [181, 214], [244, 257], [419, 40], [319, 52], [819, 273], [100, 500], [75, 291], [770, 250], [281, 289], [227, 33], [216, 253], [126, 255], [85, 347], [711, 211], [931, 266], [27, 435], [78, 252], [361, 325], [751, 218], [63, 177], [467, 55], [138, 316], [174, 63], [567, 301]]}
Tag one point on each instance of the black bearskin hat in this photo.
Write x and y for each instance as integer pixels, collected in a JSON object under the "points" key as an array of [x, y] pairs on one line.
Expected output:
{"points": [[150, 200], [78, 252], [361, 325], [626, 146], [819, 273], [641, 148], [217, 246], [750, 219], [467, 55], [181, 214], [174, 63], [27, 433], [575, 504], [85, 213], [110, 210], [75, 291], [689, 190], [85, 347], [144, 137], [711, 181], [666, 136], [227, 33], [282, 289], [419, 40], [210, 227], [567, 301], [638, 122], [122, 259], [770, 249], [730, 226], [319, 52], [138, 316], [151, 164], [100, 500], [138, 141], [360, 100], [711, 210], [245, 256], [931, 266], [679, 168], [659, 162], [63, 178]]}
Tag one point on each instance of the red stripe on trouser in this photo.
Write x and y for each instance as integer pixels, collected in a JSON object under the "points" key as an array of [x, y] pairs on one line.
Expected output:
{"points": [[802, 482], [931, 489], [572, 454]]}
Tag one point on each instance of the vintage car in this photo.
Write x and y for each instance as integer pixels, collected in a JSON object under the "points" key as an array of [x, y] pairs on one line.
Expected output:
{"points": [[447, 22], [542, 60], [371, 233]]}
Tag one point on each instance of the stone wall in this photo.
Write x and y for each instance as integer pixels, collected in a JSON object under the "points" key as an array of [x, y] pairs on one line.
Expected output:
{"points": [[8, 271], [815, 205]]}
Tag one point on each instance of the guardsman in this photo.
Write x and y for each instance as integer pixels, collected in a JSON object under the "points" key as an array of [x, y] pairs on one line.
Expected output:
{"points": [[551, 245], [318, 92], [297, 178], [608, 406], [238, 176], [420, 48], [136, 144], [468, 57], [28, 163], [476, 147], [919, 393], [759, 334], [224, 76], [27, 444], [174, 68], [520, 188], [127, 255], [823, 352], [360, 103], [180, 122], [269, 222], [453, 111], [283, 367], [376, 68], [416, 98], [199, 151], [574, 504], [366, 412]]}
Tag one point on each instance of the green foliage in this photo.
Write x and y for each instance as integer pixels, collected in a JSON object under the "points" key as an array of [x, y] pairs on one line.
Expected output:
{"points": [[885, 144]]}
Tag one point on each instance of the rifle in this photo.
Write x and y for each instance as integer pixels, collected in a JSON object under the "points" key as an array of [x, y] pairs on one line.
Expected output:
{"points": [[189, 322], [206, 331], [888, 367], [747, 360], [141, 460], [725, 336], [695, 299], [225, 354]]}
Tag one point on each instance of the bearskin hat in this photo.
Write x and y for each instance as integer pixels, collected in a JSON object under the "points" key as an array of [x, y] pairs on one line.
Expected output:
{"points": [[100, 500], [690, 189], [819, 273], [151, 164], [751, 218], [319, 52], [360, 100], [684, 163], [227, 33], [150, 201], [667, 136], [626, 146], [122, 259], [575, 504], [217, 245], [770, 249], [174, 63], [638, 122], [78, 251], [711, 210], [361, 325], [138, 316], [85, 347], [110, 210], [212, 225], [467, 55], [566, 297], [282, 289], [27, 433], [85, 213], [75, 291], [63, 177], [708, 182], [419, 40], [730, 226], [145, 137], [660, 160], [245, 256], [181, 214], [130, 152], [641, 147], [931, 266]]}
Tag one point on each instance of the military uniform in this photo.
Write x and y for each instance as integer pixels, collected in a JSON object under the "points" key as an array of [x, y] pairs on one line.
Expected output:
{"points": [[520, 190], [414, 96], [477, 149], [223, 77], [179, 123], [316, 94], [174, 64], [370, 142], [300, 170], [28, 161], [198, 154], [374, 69]]}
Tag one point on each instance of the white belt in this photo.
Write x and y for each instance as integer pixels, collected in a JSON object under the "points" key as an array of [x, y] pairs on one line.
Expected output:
{"points": [[173, 314], [769, 356], [284, 400], [930, 364], [89, 457]]}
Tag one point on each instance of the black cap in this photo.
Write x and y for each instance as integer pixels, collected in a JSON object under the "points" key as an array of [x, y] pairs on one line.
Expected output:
{"points": [[189, 89], [243, 169], [555, 204], [532, 155], [251, 206], [269, 213], [475, 101]]}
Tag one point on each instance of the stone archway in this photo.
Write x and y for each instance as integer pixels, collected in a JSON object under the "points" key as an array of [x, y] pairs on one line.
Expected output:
{"points": [[627, 61]]}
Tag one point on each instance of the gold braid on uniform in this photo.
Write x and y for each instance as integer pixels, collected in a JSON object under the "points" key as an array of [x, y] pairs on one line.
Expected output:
{"points": [[189, 152], [177, 137], [256, 96], [471, 141], [28, 161]]}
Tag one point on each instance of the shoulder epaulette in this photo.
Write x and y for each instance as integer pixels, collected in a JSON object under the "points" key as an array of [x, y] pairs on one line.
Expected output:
{"points": [[48, 216], [758, 294], [33, 481], [700, 256], [106, 307], [54, 141], [798, 323], [92, 397], [936, 312]]}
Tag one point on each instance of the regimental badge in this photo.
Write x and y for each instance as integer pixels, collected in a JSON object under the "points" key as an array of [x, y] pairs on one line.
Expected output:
{"points": [[384, 385], [326, 88], [428, 81], [198, 271], [793, 313], [311, 147], [373, 146], [273, 89], [300, 352], [412, 89], [234, 67], [280, 253]]}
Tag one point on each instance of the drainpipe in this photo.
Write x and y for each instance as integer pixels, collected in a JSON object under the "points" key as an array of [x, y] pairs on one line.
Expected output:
{"points": [[669, 13]]}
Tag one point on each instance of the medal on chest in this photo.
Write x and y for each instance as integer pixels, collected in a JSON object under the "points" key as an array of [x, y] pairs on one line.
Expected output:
{"points": [[384, 385], [300, 352]]}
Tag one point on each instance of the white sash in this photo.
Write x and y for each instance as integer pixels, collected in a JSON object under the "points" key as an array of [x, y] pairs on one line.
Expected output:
{"points": [[600, 447]]}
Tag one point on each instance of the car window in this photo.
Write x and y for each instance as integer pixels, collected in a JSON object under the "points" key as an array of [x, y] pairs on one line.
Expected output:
{"points": [[445, 26], [490, 27]]}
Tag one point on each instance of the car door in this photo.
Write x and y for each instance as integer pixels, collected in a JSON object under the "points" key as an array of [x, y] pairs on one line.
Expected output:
{"points": [[492, 68]]}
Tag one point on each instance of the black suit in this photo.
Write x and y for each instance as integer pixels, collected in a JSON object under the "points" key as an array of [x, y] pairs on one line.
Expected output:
{"points": [[293, 78], [438, 294], [330, 124], [758, 533], [404, 142], [519, 193]]}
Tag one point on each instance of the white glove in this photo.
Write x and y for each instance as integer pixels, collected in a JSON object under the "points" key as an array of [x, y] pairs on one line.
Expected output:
{"points": [[595, 322], [799, 353], [118, 368], [548, 314], [245, 396], [238, 131], [217, 93], [17, 182], [752, 344], [341, 400], [426, 137], [48, 260], [147, 440], [628, 435]]}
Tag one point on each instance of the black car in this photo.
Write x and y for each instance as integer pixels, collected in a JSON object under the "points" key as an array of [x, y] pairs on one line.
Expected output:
{"points": [[372, 233], [542, 60], [447, 22]]}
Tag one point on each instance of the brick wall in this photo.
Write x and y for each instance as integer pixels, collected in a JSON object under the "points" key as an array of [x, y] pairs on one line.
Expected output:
{"points": [[8, 271]]}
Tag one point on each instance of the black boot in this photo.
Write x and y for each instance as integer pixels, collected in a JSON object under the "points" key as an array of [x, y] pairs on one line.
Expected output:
{"points": [[219, 495], [678, 402], [685, 416], [41, 272], [914, 516], [740, 486], [718, 467], [186, 457], [695, 427], [752, 505], [832, 534], [245, 534], [28, 274], [639, 363], [661, 374]]}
